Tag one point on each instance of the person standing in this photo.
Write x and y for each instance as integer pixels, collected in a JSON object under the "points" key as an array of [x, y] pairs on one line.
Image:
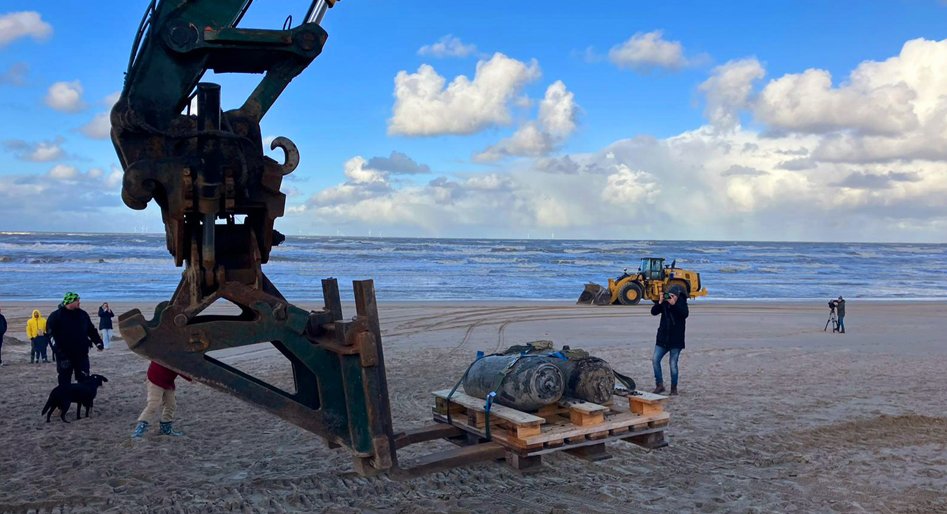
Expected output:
{"points": [[74, 333], [840, 311], [670, 338], [105, 323], [160, 394], [36, 333], [3, 330]]}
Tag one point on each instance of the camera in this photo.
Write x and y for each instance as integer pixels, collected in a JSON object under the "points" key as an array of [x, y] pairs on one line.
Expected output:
{"points": [[667, 296]]}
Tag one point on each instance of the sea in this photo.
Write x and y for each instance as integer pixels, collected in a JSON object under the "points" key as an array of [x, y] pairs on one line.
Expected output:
{"points": [[113, 267]]}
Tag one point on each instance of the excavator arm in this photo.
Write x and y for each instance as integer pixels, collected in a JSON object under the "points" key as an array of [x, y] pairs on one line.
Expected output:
{"points": [[219, 197]]}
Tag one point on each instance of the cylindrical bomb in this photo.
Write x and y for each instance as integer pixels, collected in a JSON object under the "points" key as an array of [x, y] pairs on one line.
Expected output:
{"points": [[525, 382], [589, 379]]}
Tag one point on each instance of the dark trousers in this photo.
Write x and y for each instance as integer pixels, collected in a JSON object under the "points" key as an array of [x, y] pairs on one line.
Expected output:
{"points": [[39, 349], [67, 366]]}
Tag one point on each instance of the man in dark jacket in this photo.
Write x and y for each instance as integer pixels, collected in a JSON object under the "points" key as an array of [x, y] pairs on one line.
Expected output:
{"points": [[840, 309], [670, 339], [74, 333], [3, 330]]}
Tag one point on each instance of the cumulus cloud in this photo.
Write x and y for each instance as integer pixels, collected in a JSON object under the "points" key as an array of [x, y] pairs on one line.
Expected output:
{"points": [[99, 127], [425, 105], [807, 102], [823, 177], [18, 25], [66, 198], [64, 172], [65, 96], [646, 51], [892, 110], [553, 125], [398, 162], [447, 46], [728, 91], [43, 151], [15, 75]]}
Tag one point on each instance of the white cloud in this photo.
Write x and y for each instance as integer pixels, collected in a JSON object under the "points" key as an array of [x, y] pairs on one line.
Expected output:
{"points": [[114, 178], [64, 172], [892, 110], [554, 124], [823, 176], [807, 102], [648, 51], [425, 105], [99, 127], [626, 187], [448, 46], [17, 25], [357, 171], [557, 111], [65, 96], [44, 151], [728, 91]]}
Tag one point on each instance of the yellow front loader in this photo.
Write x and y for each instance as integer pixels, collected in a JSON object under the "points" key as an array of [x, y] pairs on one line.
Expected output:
{"points": [[650, 282]]}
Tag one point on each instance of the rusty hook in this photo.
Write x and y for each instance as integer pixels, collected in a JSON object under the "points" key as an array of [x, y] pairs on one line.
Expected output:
{"points": [[290, 153]]}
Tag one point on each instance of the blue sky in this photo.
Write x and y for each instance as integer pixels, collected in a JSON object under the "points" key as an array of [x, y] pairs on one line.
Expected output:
{"points": [[811, 121]]}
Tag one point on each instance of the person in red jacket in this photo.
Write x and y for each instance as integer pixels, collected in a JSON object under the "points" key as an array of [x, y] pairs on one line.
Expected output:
{"points": [[160, 387]]}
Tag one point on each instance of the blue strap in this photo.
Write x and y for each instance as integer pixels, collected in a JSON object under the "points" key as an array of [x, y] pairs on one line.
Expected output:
{"points": [[486, 409]]}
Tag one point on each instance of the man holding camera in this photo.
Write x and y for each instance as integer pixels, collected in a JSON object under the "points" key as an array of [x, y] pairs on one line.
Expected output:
{"points": [[670, 338], [840, 312]]}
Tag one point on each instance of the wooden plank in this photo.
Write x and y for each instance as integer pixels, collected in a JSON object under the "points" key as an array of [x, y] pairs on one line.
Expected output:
{"points": [[584, 419], [621, 420], [524, 464], [644, 409], [496, 410], [646, 397], [584, 407], [591, 453]]}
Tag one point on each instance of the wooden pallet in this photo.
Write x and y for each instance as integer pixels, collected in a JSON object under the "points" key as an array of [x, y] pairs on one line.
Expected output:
{"points": [[580, 428]]}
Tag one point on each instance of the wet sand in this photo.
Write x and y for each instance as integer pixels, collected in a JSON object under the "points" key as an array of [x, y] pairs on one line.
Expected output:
{"points": [[774, 415]]}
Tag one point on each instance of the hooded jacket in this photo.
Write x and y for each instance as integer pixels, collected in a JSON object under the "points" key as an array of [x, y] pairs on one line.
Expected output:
{"points": [[36, 325], [673, 320], [73, 332], [105, 319]]}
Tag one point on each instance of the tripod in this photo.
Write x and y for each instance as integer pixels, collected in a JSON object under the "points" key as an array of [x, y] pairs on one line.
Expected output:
{"points": [[833, 319]]}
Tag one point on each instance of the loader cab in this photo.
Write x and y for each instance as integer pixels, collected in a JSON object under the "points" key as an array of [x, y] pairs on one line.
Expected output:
{"points": [[652, 268]]}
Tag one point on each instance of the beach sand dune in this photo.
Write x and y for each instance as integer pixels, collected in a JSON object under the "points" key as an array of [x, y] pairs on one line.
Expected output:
{"points": [[775, 415]]}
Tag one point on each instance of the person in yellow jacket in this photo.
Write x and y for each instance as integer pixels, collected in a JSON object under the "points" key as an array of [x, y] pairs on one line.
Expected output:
{"points": [[36, 331]]}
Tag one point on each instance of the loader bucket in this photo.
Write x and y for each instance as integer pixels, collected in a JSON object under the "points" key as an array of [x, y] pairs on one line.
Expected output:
{"points": [[594, 294]]}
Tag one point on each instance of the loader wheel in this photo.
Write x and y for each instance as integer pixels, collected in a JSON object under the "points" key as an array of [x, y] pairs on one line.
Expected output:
{"points": [[630, 294]]}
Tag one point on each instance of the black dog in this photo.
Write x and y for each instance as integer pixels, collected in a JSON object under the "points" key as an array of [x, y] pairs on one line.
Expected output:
{"points": [[82, 394]]}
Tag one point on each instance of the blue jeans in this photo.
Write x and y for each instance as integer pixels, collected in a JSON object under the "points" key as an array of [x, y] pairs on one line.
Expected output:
{"points": [[659, 353], [841, 323]]}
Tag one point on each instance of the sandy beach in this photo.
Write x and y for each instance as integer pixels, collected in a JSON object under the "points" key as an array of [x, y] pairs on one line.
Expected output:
{"points": [[775, 415]]}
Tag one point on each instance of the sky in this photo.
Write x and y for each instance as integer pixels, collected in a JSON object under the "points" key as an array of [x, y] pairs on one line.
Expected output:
{"points": [[739, 120]]}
